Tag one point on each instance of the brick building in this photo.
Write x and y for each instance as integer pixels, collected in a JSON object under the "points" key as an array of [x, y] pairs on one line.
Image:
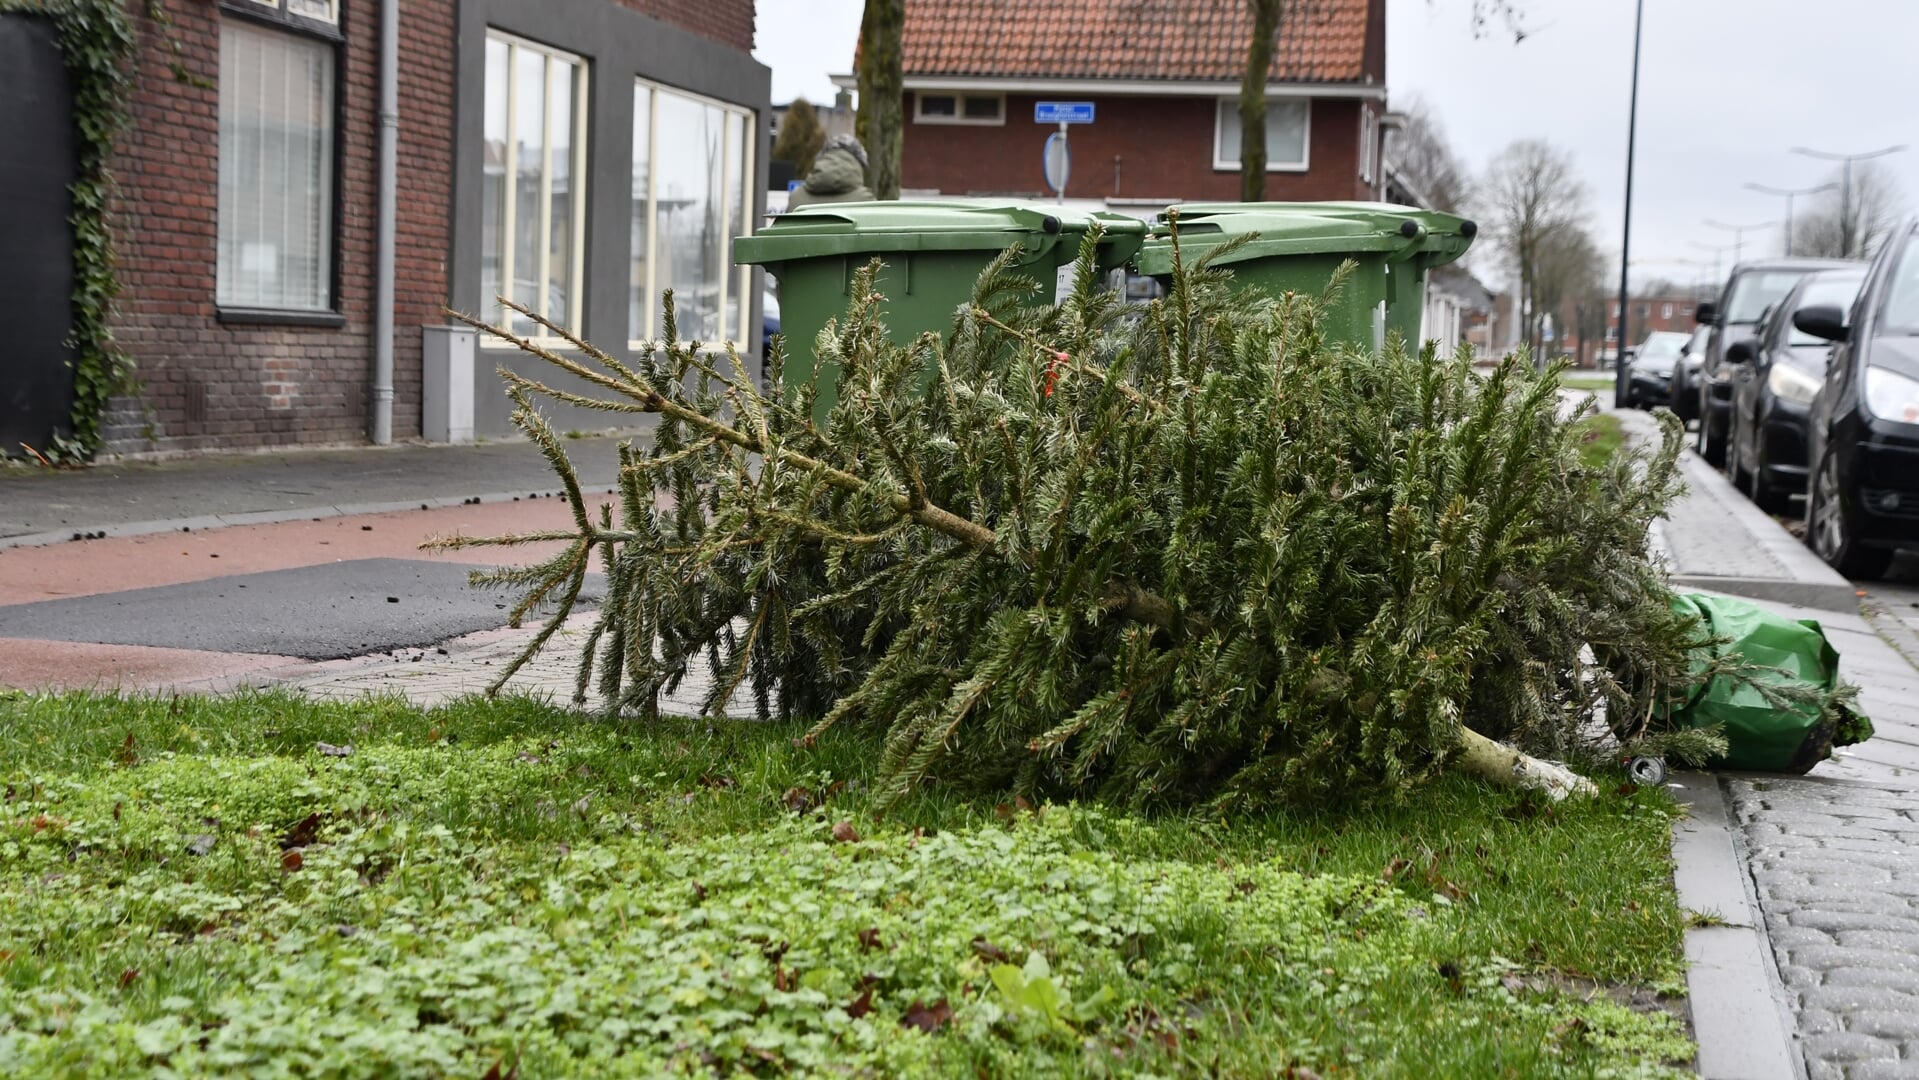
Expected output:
{"points": [[580, 155], [1163, 76], [1671, 312]]}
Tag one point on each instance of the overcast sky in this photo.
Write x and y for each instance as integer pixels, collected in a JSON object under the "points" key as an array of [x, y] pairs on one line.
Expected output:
{"points": [[1727, 88]]}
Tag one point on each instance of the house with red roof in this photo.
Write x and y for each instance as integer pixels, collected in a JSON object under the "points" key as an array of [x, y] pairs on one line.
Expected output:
{"points": [[1163, 79]]}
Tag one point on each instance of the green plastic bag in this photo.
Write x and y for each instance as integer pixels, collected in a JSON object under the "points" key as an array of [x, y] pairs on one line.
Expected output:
{"points": [[1792, 655]]}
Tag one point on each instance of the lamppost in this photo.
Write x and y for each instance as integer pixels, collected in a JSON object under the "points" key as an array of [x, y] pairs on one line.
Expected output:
{"points": [[1718, 252], [1845, 186], [1739, 234], [1790, 194], [1632, 131]]}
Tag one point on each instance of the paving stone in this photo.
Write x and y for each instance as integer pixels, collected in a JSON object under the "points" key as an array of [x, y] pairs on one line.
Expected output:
{"points": [[1859, 1000], [1835, 921], [1906, 941], [1884, 978], [1818, 1022], [1901, 1023], [1825, 1070], [1880, 1069], [1793, 937], [1836, 957], [1849, 1046]]}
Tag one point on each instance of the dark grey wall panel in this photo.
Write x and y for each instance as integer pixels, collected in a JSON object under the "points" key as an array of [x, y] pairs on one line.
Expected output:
{"points": [[620, 45], [36, 242]]}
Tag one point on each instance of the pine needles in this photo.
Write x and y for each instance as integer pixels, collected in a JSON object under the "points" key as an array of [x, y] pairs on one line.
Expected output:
{"points": [[1188, 551]]}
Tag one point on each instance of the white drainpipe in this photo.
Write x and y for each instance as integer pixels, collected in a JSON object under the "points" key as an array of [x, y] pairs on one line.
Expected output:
{"points": [[383, 258]]}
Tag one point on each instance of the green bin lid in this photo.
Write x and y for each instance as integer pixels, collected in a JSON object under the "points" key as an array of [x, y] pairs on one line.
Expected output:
{"points": [[1310, 228], [868, 228]]}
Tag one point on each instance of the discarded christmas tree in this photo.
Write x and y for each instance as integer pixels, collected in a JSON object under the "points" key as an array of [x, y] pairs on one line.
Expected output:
{"points": [[1182, 552]]}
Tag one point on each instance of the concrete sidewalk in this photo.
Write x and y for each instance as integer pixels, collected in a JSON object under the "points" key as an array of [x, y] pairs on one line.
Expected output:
{"points": [[41, 506]]}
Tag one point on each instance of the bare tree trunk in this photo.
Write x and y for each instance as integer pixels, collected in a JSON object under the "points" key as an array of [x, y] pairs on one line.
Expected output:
{"points": [[881, 109], [1252, 100]]}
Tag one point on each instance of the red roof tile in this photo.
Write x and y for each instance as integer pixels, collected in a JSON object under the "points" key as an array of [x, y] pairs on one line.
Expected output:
{"points": [[1325, 41]]}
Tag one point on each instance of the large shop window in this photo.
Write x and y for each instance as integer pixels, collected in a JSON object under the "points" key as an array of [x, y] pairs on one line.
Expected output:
{"points": [[1288, 126], [534, 190], [691, 158], [276, 170]]}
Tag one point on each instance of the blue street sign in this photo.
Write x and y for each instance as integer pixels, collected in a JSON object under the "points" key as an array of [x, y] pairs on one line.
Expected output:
{"points": [[1063, 112]]}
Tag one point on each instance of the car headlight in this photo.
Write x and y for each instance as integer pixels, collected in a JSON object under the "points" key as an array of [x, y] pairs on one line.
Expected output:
{"points": [[1788, 383], [1891, 395]]}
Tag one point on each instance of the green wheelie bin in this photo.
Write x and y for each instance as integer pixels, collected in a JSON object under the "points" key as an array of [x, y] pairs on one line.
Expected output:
{"points": [[1298, 246], [933, 253]]}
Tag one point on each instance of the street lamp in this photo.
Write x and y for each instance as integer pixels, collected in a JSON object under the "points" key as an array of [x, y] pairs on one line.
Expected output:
{"points": [[1845, 186], [1632, 131], [1739, 234], [1790, 194]]}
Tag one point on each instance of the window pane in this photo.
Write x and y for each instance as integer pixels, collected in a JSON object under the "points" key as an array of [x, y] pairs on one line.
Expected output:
{"points": [[529, 143], [493, 184], [560, 86], [1285, 132], [982, 108], [313, 9], [640, 301], [736, 127], [276, 170], [689, 235], [938, 105]]}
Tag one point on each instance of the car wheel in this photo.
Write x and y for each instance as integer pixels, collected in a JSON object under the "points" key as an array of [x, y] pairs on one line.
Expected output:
{"points": [[1735, 455], [1764, 494], [1831, 531], [1711, 447]]}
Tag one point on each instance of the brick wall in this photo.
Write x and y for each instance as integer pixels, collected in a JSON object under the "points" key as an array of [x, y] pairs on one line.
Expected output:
{"points": [[1165, 147], [205, 383], [729, 22]]}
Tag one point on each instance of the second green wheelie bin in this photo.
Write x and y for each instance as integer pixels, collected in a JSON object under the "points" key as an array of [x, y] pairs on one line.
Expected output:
{"points": [[933, 253], [1298, 246]]}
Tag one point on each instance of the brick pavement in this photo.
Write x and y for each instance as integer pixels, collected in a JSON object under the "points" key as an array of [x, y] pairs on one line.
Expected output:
{"points": [[1836, 873]]}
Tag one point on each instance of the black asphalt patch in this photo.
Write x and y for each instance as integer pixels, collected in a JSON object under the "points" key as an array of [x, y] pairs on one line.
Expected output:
{"points": [[320, 612]]}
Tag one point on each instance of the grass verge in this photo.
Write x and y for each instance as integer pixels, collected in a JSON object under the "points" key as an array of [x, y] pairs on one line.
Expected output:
{"points": [[1589, 380], [1601, 436], [193, 886]]}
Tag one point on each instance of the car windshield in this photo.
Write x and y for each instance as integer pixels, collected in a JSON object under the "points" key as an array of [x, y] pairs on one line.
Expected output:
{"points": [[1756, 290], [1696, 346], [1835, 289], [1902, 299], [1661, 345]]}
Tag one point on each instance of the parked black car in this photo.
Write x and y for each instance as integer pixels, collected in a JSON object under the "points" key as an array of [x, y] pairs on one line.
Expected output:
{"points": [[1774, 378], [1752, 288], [1685, 374], [1646, 374], [1863, 499]]}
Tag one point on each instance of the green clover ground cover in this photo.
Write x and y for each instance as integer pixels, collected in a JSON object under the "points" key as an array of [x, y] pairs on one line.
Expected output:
{"points": [[193, 886]]}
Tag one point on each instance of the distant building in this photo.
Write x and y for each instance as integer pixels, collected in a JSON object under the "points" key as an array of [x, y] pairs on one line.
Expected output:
{"points": [[1163, 79], [1670, 312]]}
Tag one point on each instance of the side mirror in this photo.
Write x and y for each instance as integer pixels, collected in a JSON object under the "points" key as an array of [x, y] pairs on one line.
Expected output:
{"points": [[1740, 352], [1823, 321], [1706, 314]]}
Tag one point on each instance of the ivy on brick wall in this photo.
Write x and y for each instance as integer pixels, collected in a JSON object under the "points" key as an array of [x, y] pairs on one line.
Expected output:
{"points": [[97, 42]]}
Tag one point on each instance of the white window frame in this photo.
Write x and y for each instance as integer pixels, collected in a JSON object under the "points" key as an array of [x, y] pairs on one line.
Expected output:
{"points": [[1368, 141], [1666, 311], [225, 289], [742, 275], [959, 109], [332, 16], [509, 211], [1220, 109]]}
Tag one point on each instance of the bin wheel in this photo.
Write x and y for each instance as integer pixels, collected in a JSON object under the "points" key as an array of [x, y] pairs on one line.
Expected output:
{"points": [[1647, 771]]}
